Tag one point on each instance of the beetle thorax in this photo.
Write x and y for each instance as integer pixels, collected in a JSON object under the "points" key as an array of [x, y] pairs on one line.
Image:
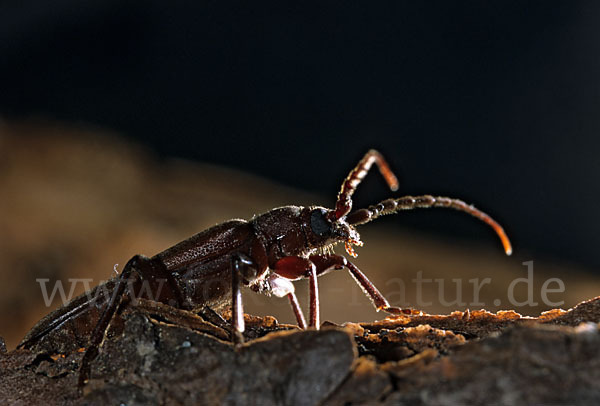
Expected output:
{"points": [[281, 232]]}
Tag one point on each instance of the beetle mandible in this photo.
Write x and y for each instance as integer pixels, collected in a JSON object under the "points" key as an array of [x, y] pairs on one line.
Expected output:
{"points": [[266, 253]]}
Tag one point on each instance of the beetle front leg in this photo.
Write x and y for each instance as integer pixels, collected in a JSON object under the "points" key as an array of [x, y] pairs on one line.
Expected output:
{"points": [[280, 286], [327, 263], [292, 268], [297, 310]]}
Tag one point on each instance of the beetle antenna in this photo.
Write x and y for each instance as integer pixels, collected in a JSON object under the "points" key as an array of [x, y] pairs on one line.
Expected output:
{"points": [[391, 206], [356, 175]]}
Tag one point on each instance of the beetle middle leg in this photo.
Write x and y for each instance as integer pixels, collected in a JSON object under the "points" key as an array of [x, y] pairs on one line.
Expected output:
{"points": [[243, 268], [181, 317], [239, 263], [211, 316]]}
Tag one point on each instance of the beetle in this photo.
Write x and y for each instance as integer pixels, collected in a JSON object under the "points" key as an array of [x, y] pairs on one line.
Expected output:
{"points": [[206, 272]]}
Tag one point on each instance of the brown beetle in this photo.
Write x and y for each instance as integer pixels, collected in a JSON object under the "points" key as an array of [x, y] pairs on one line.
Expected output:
{"points": [[207, 271]]}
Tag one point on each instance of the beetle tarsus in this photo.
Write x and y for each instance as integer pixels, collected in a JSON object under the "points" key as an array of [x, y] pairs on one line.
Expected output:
{"points": [[402, 311]]}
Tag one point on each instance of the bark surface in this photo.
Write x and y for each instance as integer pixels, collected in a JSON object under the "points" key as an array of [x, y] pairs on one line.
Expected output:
{"points": [[462, 358]]}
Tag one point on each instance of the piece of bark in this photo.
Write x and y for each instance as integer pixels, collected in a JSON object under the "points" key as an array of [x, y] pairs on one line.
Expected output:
{"points": [[177, 359], [532, 364], [365, 384], [481, 323], [177, 366]]}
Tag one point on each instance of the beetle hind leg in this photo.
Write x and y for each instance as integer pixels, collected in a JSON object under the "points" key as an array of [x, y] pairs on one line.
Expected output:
{"points": [[139, 263]]}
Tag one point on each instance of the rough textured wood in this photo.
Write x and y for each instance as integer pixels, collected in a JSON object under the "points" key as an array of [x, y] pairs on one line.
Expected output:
{"points": [[462, 358]]}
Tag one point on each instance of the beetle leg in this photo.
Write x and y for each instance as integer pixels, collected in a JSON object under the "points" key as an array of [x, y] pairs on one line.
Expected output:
{"points": [[327, 263], [208, 314], [280, 287], [139, 263], [184, 318], [72, 311], [240, 264], [314, 299], [293, 268], [297, 310]]}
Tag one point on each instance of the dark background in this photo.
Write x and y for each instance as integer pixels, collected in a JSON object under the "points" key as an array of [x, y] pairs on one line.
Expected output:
{"points": [[493, 102]]}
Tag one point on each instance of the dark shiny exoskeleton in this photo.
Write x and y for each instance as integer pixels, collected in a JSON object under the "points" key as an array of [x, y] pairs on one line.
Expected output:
{"points": [[206, 272]]}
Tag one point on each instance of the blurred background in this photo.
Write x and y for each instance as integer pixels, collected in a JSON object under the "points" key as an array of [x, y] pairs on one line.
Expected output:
{"points": [[126, 126]]}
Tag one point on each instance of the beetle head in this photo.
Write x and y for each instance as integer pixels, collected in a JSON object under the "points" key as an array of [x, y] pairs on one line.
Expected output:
{"points": [[324, 229]]}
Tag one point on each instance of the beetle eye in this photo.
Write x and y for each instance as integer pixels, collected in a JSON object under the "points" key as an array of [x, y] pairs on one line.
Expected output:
{"points": [[319, 223]]}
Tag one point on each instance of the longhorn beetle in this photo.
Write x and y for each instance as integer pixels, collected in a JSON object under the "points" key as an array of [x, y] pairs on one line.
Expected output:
{"points": [[266, 253]]}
